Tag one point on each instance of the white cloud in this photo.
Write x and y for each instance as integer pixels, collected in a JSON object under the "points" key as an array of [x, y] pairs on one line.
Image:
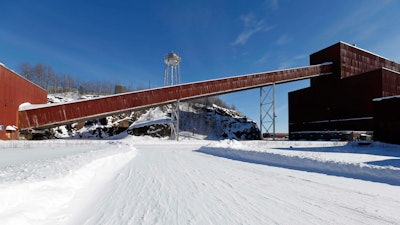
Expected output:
{"points": [[272, 4], [282, 40], [387, 47], [292, 61], [251, 27], [264, 59], [298, 57], [361, 23], [286, 65], [245, 35]]}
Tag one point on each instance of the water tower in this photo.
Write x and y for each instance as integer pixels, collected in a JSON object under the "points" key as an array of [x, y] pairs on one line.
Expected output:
{"points": [[172, 74]]}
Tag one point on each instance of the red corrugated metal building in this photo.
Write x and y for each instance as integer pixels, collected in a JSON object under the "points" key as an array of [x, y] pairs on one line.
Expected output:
{"points": [[343, 101], [387, 119], [15, 90]]}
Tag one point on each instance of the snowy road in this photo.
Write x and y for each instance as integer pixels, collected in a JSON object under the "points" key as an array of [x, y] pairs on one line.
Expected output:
{"points": [[152, 181], [170, 183]]}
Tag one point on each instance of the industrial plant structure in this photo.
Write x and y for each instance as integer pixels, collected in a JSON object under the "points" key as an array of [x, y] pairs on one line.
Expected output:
{"points": [[15, 90], [352, 91], [343, 103]]}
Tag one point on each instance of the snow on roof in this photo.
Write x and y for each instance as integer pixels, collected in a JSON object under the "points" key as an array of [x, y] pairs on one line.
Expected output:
{"points": [[393, 71], [11, 128], [385, 98], [28, 106]]}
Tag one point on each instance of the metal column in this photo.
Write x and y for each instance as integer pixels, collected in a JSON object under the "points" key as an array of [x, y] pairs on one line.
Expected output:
{"points": [[172, 75], [175, 121], [267, 111]]}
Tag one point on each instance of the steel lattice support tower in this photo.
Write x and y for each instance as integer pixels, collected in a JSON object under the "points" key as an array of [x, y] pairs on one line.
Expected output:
{"points": [[267, 111]]}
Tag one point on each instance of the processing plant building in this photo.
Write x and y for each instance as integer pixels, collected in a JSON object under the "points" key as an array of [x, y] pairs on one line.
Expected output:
{"points": [[343, 102], [352, 92], [15, 90]]}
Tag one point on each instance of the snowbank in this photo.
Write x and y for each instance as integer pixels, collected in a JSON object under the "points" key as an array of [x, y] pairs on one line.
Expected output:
{"points": [[151, 117], [365, 163], [44, 184]]}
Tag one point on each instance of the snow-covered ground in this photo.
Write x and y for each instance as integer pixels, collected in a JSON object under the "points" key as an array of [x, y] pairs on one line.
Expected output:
{"points": [[139, 180]]}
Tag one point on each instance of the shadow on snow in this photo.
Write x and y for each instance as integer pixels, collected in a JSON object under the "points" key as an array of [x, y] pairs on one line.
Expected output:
{"points": [[377, 171]]}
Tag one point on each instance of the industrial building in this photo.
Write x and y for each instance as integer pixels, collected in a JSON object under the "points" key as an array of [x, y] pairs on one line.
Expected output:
{"points": [[352, 92], [15, 90], [340, 104], [387, 119]]}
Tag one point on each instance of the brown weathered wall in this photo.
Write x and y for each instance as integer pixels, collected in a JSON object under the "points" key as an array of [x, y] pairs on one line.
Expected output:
{"points": [[15, 90], [343, 104], [343, 100]]}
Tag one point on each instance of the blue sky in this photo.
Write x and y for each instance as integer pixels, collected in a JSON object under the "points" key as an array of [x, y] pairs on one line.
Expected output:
{"points": [[126, 41]]}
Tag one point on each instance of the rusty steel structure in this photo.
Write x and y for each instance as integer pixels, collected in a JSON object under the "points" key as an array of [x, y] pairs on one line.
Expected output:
{"points": [[53, 115], [267, 111], [342, 101], [15, 90]]}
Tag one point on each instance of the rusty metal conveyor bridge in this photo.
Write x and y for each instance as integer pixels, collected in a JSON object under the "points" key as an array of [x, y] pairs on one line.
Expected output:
{"points": [[53, 115]]}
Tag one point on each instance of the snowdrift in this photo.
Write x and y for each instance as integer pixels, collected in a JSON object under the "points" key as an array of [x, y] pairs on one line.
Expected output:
{"points": [[383, 170], [41, 181]]}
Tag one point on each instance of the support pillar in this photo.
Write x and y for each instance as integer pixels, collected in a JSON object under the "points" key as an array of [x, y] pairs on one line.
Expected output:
{"points": [[267, 111], [175, 121]]}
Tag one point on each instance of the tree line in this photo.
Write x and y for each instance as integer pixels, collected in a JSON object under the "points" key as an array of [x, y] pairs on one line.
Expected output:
{"points": [[44, 76]]}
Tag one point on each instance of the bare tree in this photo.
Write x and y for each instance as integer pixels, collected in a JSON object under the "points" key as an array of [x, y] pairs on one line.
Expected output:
{"points": [[44, 76], [39, 74], [49, 74], [25, 70]]}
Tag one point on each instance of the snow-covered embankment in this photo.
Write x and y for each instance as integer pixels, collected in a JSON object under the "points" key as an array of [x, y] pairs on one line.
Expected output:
{"points": [[314, 161], [43, 184]]}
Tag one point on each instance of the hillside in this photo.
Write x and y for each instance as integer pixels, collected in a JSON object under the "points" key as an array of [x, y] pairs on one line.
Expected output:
{"points": [[198, 119]]}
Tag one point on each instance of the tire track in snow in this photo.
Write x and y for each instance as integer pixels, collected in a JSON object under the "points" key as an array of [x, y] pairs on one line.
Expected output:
{"points": [[171, 183]]}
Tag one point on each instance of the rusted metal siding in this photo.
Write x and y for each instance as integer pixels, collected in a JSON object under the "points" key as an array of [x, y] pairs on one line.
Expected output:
{"points": [[346, 101], [349, 60], [53, 115], [355, 61], [329, 54], [15, 90], [387, 120], [390, 82], [343, 101]]}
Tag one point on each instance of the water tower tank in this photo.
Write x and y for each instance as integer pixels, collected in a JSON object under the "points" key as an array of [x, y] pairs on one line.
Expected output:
{"points": [[172, 59]]}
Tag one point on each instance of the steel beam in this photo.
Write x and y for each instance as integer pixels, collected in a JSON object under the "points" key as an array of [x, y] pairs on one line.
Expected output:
{"points": [[53, 115]]}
